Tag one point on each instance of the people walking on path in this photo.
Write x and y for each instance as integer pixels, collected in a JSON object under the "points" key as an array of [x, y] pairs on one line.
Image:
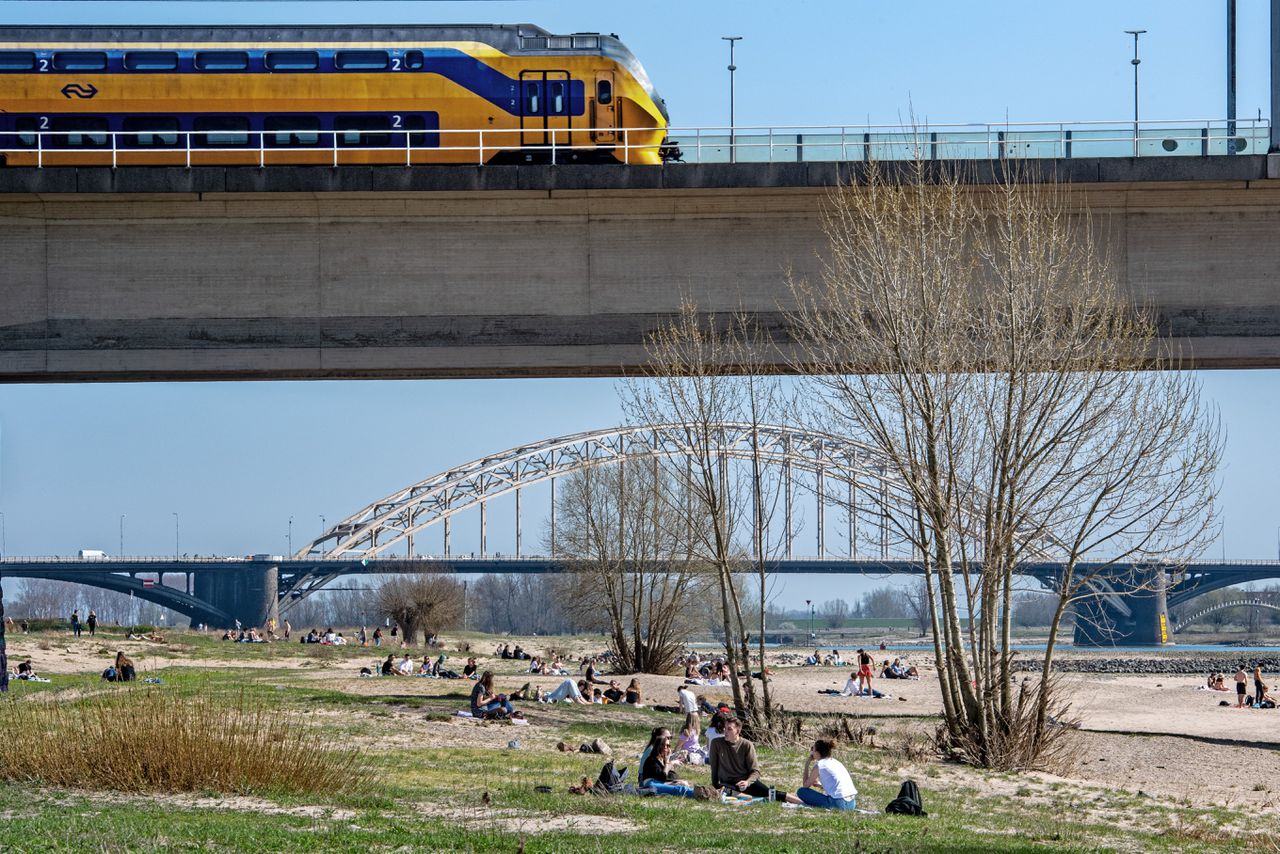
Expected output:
{"points": [[75, 622], [93, 623]]}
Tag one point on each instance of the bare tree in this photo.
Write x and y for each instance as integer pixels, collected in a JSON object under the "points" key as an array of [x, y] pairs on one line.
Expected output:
{"points": [[834, 612], [426, 602], [620, 529], [703, 372], [978, 339], [915, 601]]}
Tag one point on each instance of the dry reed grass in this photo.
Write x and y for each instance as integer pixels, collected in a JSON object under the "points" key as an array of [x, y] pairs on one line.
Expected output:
{"points": [[148, 740]]}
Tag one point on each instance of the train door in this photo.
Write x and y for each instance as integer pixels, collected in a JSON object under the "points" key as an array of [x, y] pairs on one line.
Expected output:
{"points": [[545, 106], [604, 109]]}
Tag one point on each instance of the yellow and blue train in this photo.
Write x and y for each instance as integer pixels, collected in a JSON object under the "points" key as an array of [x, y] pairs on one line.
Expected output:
{"points": [[323, 95]]}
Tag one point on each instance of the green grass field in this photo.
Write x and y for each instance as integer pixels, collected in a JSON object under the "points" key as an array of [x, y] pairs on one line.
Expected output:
{"points": [[423, 777]]}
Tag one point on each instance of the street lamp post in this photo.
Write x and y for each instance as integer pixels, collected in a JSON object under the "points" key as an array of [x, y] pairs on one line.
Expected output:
{"points": [[1136, 62], [3, 547], [809, 604], [290, 536], [1231, 76], [122, 515], [733, 124], [323, 529], [176, 541]]}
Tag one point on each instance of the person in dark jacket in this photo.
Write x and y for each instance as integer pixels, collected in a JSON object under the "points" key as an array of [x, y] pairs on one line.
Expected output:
{"points": [[658, 773]]}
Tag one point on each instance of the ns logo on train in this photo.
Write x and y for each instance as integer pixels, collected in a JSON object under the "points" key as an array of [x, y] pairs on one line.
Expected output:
{"points": [[323, 95]]}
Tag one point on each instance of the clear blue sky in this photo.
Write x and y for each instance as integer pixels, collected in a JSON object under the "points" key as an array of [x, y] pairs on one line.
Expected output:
{"points": [[237, 460]]}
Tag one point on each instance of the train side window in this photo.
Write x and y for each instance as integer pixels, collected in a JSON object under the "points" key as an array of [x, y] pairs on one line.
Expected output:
{"points": [[561, 42], [361, 60], [363, 131], [80, 60], [414, 60], [293, 60], [422, 134], [152, 131], [221, 131], [151, 60], [222, 60], [557, 98], [79, 131], [532, 99], [291, 131], [586, 42], [17, 60], [25, 128], [534, 43], [604, 91]]}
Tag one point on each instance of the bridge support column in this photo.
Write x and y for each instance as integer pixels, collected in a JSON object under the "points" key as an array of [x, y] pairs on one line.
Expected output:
{"points": [[249, 594], [1098, 623]]}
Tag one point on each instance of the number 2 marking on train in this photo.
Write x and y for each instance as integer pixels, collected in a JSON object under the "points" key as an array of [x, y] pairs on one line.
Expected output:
{"points": [[397, 122], [44, 123], [44, 65], [395, 63]]}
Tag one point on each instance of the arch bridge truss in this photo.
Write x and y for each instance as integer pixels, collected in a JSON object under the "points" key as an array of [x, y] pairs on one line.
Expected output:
{"points": [[1223, 606]]}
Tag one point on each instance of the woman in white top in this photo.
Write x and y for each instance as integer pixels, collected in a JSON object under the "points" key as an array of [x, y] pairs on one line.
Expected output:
{"points": [[838, 791]]}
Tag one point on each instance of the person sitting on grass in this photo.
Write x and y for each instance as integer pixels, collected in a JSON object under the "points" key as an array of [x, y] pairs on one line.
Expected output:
{"points": [[25, 670], [734, 766], [838, 791], [690, 748], [814, 660], [614, 693], [658, 772], [567, 691], [633, 693], [486, 702], [405, 667], [389, 666], [425, 670], [655, 736], [715, 729]]}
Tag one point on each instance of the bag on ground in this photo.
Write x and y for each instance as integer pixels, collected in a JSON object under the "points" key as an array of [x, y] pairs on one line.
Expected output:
{"points": [[908, 801]]}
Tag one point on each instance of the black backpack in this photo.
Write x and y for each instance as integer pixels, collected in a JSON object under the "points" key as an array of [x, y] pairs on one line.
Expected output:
{"points": [[908, 801]]}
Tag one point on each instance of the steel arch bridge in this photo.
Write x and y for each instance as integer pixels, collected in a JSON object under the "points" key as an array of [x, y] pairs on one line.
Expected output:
{"points": [[1222, 606], [393, 521]]}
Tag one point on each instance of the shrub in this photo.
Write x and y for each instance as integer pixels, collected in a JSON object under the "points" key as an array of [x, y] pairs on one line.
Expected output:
{"points": [[138, 739]]}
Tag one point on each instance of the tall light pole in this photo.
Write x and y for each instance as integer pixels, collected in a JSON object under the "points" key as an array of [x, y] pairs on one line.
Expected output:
{"points": [[176, 539], [1136, 62], [122, 515], [323, 528], [733, 124], [809, 604], [3, 548], [1231, 76], [291, 536]]}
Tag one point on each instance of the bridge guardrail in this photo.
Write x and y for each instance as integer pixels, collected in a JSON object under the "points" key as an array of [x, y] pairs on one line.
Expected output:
{"points": [[720, 144]]}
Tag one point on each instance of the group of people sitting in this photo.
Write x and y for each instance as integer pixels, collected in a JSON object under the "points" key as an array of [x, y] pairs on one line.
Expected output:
{"points": [[251, 636], [121, 671], [735, 769], [26, 672], [433, 668], [552, 667], [585, 693]]}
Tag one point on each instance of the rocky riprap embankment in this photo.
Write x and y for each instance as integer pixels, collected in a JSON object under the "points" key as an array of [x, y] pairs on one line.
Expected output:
{"points": [[1225, 663]]}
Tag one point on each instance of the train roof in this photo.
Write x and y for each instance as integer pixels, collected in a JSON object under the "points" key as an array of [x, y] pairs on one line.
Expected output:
{"points": [[509, 38]]}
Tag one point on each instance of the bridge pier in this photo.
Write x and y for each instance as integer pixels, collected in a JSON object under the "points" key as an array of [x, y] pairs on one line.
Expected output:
{"points": [[249, 594], [1099, 623]]}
